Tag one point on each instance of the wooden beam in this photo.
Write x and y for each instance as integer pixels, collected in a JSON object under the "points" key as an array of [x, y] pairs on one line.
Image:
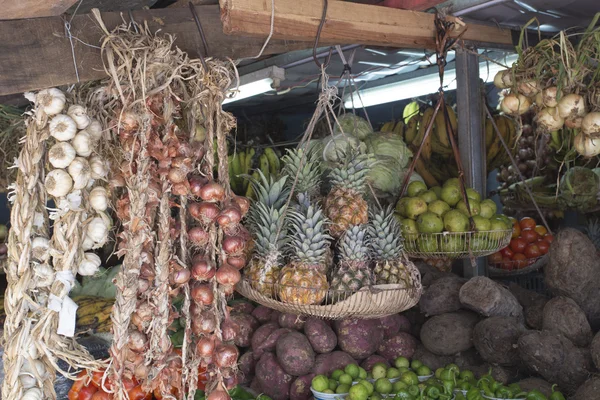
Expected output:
{"points": [[346, 23], [17, 9], [35, 53], [416, 5]]}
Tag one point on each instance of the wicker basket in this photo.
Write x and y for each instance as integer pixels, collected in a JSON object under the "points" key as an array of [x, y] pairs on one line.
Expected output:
{"points": [[455, 245], [535, 264], [373, 302]]}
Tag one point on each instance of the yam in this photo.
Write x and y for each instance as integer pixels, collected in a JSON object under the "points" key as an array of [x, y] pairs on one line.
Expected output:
{"points": [[529, 384], [400, 345], [496, 338], [291, 321], [391, 325], [489, 298], [555, 358], [429, 273], [595, 350], [525, 297], [433, 361], [246, 365], [273, 380], [448, 334], [416, 319], [368, 362], [534, 314], [590, 390], [262, 314], [359, 337], [260, 336], [320, 335], [295, 354], [442, 296], [467, 358], [247, 324], [300, 389], [242, 307], [563, 315], [325, 364]]}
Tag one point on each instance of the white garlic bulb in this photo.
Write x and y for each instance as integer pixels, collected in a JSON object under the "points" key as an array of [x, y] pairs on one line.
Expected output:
{"points": [[62, 127], [97, 230], [35, 368], [89, 265], [51, 100], [95, 129], [39, 248], [79, 115], [82, 142], [58, 183], [32, 394], [61, 154], [99, 198], [99, 167], [27, 380], [44, 275], [88, 243], [81, 173]]}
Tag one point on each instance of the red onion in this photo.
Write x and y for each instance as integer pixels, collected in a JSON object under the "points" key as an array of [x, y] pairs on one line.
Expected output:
{"points": [[229, 330], [196, 183], [198, 236], [184, 150], [143, 285], [180, 276], [175, 228], [212, 192], [177, 175], [204, 212], [226, 356], [231, 381], [206, 346], [229, 215], [228, 275], [204, 323], [142, 316], [234, 245], [137, 341], [147, 272], [238, 262], [203, 294], [218, 395], [116, 181], [180, 189], [227, 289], [243, 203], [202, 270]]}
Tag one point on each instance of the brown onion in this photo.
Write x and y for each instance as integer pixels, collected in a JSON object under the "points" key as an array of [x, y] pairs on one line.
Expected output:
{"points": [[202, 270], [229, 330], [226, 356], [228, 275], [234, 244], [198, 236], [229, 215], [203, 294], [204, 212], [212, 192], [177, 175], [180, 189], [180, 276], [243, 203], [238, 262], [206, 346]]}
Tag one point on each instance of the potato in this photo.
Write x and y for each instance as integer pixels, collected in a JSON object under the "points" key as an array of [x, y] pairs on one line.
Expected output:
{"points": [[295, 354], [595, 350], [273, 380], [262, 314], [359, 338], [433, 361], [590, 390], [246, 365], [247, 325], [291, 321], [325, 364], [563, 315], [320, 335], [489, 298], [300, 389], [442, 296], [368, 362], [241, 306], [450, 333], [261, 335], [496, 338], [400, 345]]}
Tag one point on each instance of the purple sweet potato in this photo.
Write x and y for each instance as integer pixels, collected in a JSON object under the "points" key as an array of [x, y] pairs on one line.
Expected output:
{"points": [[273, 380], [271, 341], [295, 354], [325, 364], [255, 385], [247, 325], [391, 324], [242, 307], [359, 337], [261, 335], [368, 362], [320, 335], [400, 345], [300, 389], [275, 316], [291, 321], [262, 314], [246, 365]]}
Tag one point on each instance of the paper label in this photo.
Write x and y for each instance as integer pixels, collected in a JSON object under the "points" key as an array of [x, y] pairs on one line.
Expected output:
{"points": [[66, 317]]}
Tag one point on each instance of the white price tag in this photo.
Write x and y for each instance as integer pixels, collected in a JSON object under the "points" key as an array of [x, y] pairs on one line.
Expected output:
{"points": [[66, 317]]}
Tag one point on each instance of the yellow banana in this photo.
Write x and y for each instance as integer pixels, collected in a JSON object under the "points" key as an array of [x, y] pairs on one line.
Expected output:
{"points": [[410, 133], [250, 191], [489, 134], [425, 173], [274, 163], [411, 110], [399, 129], [388, 127], [426, 151]]}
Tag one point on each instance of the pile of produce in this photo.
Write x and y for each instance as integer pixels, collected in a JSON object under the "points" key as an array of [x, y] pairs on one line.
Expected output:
{"points": [[424, 213], [528, 243], [247, 163]]}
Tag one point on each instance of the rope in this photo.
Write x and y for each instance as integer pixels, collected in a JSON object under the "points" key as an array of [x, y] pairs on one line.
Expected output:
{"points": [[70, 37]]}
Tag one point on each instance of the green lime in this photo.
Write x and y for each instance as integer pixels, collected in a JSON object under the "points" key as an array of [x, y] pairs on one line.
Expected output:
{"points": [[392, 373], [473, 206], [379, 371], [428, 196], [343, 388], [358, 392], [352, 370], [320, 383], [429, 222], [336, 374], [401, 362], [333, 384], [415, 188], [423, 370], [362, 374], [345, 379], [451, 195], [415, 364], [399, 385], [410, 378], [383, 386], [438, 207], [368, 385], [328, 391]]}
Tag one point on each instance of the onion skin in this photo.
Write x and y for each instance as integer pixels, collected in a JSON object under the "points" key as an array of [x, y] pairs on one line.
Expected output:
{"points": [[591, 123], [234, 245], [229, 330], [227, 289], [226, 356], [515, 104], [586, 145], [229, 216], [237, 262], [204, 212], [202, 270], [180, 276], [243, 204], [198, 236], [196, 183], [571, 106], [206, 347], [203, 294], [212, 192], [204, 323], [228, 275]]}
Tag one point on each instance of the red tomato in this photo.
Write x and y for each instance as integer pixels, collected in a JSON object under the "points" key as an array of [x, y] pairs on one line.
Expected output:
{"points": [[495, 258], [100, 395], [77, 386], [543, 246], [549, 238], [527, 223], [516, 230], [507, 263], [97, 380], [541, 230], [137, 393], [530, 235], [520, 261], [533, 251], [507, 253], [518, 245], [87, 392], [129, 384]]}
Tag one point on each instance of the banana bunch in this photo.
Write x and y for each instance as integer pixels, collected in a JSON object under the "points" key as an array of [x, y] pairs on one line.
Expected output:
{"points": [[496, 155], [247, 163], [93, 314]]}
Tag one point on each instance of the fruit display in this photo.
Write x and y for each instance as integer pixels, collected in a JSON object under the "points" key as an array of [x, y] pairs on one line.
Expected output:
{"points": [[425, 214], [529, 242], [248, 162]]}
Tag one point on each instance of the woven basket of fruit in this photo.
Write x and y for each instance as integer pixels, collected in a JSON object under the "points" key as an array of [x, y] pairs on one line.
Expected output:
{"points": [[456, 244], [517, 267]]}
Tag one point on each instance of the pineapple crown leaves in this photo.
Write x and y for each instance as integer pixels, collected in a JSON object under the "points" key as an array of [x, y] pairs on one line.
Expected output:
{"points": [[386, 235], [352, 173], [269, 227], [270, 192], [309, 241], [354, 244], [305, 164]]}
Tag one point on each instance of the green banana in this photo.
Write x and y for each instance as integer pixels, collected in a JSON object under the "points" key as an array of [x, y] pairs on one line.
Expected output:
{"points": [[263, 163], [411, 110], [274, 163], [250, 191]]}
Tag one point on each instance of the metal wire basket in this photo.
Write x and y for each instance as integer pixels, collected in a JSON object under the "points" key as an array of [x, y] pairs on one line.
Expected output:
{"points": [[516, 268], [369, 302], [455, 245]]}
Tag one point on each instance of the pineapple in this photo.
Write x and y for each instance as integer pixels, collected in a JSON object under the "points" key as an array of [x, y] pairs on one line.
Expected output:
{"points": [[391, 265], [266, 216], [592, 230], [302, 280], [305, 164], [345, 205], [353, 271]]}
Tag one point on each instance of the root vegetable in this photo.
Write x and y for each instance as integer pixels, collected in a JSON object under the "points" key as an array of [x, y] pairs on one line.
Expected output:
{"points": [[325, 364], [370, 361], [392, 324], [262, 314], [291, 321], [242, 307], [270, 343], [466, 358], [295, 354], [489, 298], [496, 338], [563, 315], [400, 345], [442, 296], [595, 350], [300, 389], [433, 361], [533, 305], [320, 335], [273, 380], [247, 325], [449, 333], [359, 338], [536, 383], [246, 366], [260, 336], [589, 390]]}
